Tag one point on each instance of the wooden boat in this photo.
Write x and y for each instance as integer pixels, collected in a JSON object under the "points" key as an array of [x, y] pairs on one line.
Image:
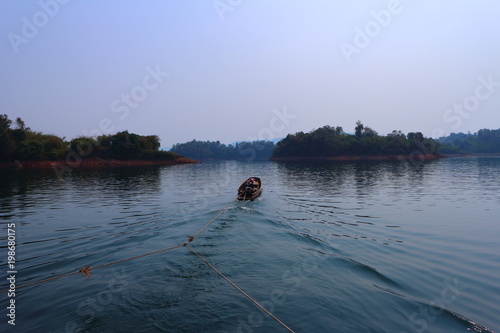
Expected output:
{"points": [[250, 189]]}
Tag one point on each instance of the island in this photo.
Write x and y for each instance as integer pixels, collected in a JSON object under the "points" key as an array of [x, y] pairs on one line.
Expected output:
{"points": [[20, 147], [332, 143]]}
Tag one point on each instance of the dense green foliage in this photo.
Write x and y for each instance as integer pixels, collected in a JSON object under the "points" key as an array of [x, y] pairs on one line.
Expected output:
{"points": [[484, 141], [331, 141], [214, 150], [20, 143], [122, 146]]}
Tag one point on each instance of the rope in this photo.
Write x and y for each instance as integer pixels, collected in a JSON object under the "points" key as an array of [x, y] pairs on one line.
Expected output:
{"points": [[41, 281], [87, 269], [139, 256], [240, 290], [191, 238]]}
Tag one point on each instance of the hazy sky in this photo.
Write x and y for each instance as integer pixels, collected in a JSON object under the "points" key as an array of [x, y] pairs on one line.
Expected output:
{"points": [[233, 70]]}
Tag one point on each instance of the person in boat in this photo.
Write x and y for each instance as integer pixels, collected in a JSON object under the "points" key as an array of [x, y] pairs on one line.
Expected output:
{"points": [[249, 189], [250, 186]]}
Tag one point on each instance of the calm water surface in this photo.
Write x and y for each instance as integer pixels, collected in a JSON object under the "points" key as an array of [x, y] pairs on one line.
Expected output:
{"points": [[328, 247]]}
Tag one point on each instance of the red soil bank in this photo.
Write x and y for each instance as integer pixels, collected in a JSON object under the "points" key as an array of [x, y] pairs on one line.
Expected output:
{"points": [[91, 163]]}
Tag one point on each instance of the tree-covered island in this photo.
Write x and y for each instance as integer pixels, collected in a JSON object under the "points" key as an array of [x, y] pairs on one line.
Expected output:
{"points": [[20, 146], [333, 143], [330, 142]]}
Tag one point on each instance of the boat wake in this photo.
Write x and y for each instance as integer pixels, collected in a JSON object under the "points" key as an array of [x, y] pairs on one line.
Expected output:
{"points": [[432, 310]]}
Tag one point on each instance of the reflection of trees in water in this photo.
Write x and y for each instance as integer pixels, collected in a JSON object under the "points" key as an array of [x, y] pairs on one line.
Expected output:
{"points": [[371, 175], [368, 175], [487, 171], [18, 182], [17, 186], [30, 188], [320, 176], [127, 181], [331, 178]]}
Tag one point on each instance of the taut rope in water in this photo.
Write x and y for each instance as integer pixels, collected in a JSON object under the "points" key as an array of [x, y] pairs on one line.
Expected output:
{"points": [[87, 269], [191, 238], [240, 290]]}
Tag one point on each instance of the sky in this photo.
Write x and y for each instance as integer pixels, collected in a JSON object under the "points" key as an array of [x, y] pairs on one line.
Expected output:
{"points": [[234, 70]]}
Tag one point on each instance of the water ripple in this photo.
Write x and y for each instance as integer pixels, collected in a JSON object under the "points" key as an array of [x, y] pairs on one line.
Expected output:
{"points": [[361, 245]]}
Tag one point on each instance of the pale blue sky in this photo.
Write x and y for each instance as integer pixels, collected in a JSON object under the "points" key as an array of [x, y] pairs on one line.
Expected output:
{"points": [[233, 70]]}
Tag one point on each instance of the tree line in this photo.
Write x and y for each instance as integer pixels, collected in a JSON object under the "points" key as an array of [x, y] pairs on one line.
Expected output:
{"points": [[329, 141], [215, 150], [18, 142], [484, 141]]}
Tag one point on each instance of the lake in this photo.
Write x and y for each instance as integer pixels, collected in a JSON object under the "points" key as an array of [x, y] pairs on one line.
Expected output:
{"points": [[376, 246]]}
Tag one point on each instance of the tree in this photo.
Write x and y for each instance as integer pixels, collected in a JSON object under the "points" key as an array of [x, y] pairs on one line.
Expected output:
{"points": [[125, 145], [54, 147], [367, 131], [6, 144], [30, 150], [4, 123], [358, 130], [84, 146], [20, 125]]}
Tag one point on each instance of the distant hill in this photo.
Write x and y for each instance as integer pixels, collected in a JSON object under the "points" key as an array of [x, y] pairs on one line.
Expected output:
{"points": [[215, 150], [482, 142], [273, 141]]}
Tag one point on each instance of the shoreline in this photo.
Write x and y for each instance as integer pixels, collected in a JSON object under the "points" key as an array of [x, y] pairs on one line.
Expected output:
{"points": [[474, 155], [359, 158], [99, 163], [91, 163]]}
